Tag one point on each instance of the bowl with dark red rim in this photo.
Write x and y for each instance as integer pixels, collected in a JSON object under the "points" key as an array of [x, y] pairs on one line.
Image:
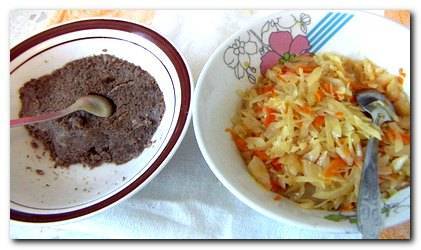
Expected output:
{"points": [[60, 194]]}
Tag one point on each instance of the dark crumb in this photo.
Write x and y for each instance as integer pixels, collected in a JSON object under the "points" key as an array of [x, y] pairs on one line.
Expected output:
{"points": [[76, 189], [47, 185], [39, 172], [124, 178], [43, 153], [104, 50], [34, 144], [27, 156], [28, 168], [98, 192], [84, 190], [38, 157]]}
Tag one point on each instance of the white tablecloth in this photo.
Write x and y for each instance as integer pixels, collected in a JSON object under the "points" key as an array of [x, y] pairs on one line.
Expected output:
{"points": [[185, 200]]}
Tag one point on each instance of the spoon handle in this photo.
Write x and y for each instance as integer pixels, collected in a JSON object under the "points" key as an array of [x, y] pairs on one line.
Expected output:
{"points": [[39, 118], [368, 208]]}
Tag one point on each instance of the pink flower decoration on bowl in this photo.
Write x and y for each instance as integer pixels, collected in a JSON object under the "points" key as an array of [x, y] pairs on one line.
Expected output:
{"points": [[282, 47]]}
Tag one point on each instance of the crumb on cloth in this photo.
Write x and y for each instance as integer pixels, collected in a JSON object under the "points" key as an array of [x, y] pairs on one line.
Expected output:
{"points": [[40, 172]]}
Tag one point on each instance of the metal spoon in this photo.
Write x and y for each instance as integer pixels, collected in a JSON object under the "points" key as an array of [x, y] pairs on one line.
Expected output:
{"points": [[93, 104], [369, 217]]}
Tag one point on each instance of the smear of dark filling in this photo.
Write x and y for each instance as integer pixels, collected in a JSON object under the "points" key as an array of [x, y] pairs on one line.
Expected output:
{"points": [[87, 139]]}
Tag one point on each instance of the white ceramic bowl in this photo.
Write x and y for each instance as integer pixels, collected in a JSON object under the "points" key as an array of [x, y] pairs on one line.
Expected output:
{"points": [[236, 64], [62, 194]]}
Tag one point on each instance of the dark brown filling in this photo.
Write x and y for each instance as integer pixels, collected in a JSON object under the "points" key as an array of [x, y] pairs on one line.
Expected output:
{"points": [[84, 138]]}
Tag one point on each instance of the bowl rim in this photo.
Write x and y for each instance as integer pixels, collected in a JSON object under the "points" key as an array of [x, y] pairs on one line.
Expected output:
{"points": [[182, 124], [203, 148]]}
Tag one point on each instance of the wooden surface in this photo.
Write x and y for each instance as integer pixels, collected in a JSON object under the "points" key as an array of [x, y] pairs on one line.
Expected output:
{"points": [[401, 231]]}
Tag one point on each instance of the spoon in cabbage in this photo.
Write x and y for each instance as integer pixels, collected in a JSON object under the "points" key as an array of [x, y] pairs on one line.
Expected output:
{"points": [[369, 217], [93, 104]]}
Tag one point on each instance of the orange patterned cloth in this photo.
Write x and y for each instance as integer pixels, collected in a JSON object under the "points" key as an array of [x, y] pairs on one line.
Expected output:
{"points": [[400, 16], [140, 16]]}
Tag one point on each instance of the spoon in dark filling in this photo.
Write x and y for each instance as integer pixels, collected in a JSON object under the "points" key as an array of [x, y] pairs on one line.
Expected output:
{"points": [[94, 104]]}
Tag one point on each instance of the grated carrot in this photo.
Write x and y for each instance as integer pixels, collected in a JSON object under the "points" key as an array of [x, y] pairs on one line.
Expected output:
{"points": [[353, 99], [270, 116], [347, 207], [275, 187], [269, 110], [390, 134], [286, 69], [305, 109], [319, 95], [335, 167], [239, 142], [327, 87], [406, 138], [339, 97], [308, 68], [355, 86], [339, 115], [257, 108], [319, 121], [269, 119], [276, 164], [265, 89], [261, 155]]}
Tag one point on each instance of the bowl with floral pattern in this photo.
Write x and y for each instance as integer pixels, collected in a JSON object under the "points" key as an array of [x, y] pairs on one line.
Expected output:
{"points": [[239, 61]]}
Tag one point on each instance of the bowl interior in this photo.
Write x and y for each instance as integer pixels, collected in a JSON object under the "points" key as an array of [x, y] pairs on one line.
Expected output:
{"points": [[61, 190], [216, 101]]}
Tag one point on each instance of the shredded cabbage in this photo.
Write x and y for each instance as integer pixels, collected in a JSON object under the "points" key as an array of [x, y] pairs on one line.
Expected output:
{"points": [[302, 134]]}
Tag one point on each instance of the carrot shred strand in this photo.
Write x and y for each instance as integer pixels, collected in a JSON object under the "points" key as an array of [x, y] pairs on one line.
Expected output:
{"points": [[335, 167], [261, 155], [239, 142], [319, 121]]}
